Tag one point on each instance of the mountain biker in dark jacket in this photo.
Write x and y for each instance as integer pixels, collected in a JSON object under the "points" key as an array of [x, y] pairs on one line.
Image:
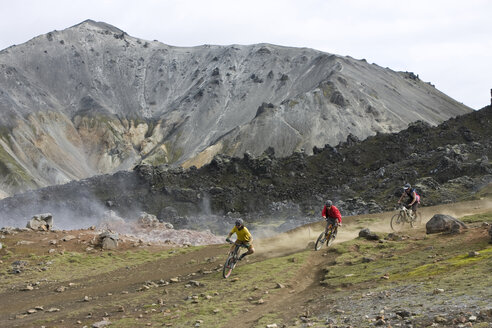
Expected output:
{"points": [[331, 214], [243, 238], [414, 199]]}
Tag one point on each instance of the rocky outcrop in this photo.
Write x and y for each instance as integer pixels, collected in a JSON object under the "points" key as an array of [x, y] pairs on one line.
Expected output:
{"points": [[444, 223], [42, 222], [357, 175], [91, 100]]}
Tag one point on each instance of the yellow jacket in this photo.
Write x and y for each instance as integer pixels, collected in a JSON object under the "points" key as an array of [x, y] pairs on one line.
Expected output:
{"points": [[243, 234]]}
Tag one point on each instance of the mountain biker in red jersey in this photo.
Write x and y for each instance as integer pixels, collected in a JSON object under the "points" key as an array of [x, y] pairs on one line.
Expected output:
{"points": [[414, 200], [331, 214]]}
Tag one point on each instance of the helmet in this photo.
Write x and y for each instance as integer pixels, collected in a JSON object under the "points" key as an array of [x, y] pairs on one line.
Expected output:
{"points": [[329, 203], [239, 222], [407, 186]]}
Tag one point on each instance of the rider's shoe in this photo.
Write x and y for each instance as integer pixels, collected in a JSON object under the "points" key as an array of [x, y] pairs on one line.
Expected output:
{"points": [[242, 256]]}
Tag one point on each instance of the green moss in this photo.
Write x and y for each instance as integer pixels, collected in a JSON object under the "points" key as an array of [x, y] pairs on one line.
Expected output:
{"points": [[174, 154], [12, 171], [448, 266], [485, 217], [293, 103]]}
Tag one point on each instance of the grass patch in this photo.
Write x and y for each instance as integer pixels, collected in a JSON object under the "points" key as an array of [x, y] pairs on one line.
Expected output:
{"points": [[73, 265], [361, 261], [485, 217]]}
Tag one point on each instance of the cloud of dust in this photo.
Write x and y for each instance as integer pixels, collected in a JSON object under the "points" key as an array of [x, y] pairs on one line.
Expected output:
{"points": [[299, 239]]}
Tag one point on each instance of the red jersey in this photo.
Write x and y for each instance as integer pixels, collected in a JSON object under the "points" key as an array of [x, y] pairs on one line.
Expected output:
{"points": [[333, 212]]}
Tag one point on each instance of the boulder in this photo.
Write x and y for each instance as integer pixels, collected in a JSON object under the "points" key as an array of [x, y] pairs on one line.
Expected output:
{"points": [[167, 214], [444, 223], [108, 240], [148, 220], [41, 222], [367, 234]]}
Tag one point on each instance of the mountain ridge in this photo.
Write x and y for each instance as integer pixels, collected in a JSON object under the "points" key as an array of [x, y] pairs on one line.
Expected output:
{"points": [[91, 99]]}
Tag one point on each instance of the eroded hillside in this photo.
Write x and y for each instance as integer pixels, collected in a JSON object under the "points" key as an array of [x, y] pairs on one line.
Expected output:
{"points": [[91, 100]]}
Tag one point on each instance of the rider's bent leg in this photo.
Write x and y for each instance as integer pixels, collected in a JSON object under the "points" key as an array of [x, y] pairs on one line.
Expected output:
{"points": [[414, 209], [330, 222], [250, 251]]}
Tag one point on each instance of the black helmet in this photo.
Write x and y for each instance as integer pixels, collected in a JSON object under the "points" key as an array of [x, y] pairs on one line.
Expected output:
{"points": [[239, 222], [407, 186], [329, 203]]}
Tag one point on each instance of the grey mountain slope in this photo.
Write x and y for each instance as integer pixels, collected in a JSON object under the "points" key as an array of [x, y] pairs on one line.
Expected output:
{"points": [[91, 100]]}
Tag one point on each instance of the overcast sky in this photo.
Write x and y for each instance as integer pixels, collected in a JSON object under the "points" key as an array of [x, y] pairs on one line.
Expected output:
{"points": [[447, 43]]}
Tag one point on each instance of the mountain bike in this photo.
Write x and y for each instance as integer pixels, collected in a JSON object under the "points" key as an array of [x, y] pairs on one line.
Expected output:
{"points": [[327, 236], [232, 259], [405, 215]]}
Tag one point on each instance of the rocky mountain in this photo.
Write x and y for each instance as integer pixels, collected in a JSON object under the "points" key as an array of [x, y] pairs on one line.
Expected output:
{"points": [[91, 100], [446, 163]]}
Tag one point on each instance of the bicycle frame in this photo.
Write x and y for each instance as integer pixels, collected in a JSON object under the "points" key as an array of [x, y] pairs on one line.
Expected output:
{"points": [[232, 259]]}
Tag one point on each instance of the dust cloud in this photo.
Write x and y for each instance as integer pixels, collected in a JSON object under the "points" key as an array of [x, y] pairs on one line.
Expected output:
{"points": [[304, 237]]}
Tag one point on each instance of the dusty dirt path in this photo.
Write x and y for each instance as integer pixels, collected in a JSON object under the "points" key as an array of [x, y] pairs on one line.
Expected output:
{"points": [[102, 288]]}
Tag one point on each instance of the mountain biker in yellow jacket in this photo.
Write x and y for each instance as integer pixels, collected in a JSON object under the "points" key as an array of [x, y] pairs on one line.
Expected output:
{"points": [[243, 238]]}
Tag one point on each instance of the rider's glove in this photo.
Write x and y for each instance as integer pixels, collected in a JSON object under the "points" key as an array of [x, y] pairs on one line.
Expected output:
{"points": [[228, 240]]}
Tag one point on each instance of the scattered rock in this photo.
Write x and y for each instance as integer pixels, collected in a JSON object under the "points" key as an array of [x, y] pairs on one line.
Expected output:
{"points": [[61, 289], [100, 324], [68, 237], [367, 234], [27, 288], [439, 319], [279, 285]]}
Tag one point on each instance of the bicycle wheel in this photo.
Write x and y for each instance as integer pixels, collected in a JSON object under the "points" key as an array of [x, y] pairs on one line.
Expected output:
{"points": [[332, 235], [228, 266], [397, 222], [319, 243]]}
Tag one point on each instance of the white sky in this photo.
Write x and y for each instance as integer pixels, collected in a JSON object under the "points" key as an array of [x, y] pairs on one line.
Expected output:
{"points": [[447, 43]]}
